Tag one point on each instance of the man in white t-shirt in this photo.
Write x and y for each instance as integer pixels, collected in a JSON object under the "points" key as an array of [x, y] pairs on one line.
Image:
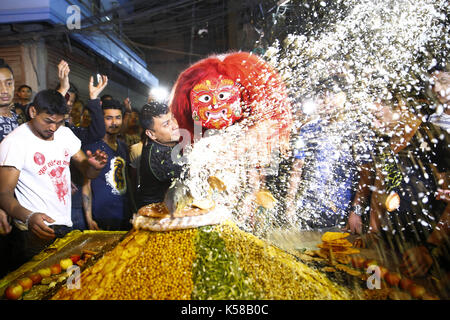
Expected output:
{"points": [[35, 174]]}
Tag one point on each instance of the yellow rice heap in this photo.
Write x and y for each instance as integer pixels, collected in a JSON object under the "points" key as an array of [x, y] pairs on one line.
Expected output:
{"points": [[145, 265], [277, 274], [158, 265]]}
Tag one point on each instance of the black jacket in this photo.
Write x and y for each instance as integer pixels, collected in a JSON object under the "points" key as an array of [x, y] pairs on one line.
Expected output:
{"points": [[157, 170]]}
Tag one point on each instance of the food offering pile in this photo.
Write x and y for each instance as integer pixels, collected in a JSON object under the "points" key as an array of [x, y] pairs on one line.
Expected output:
{"points": [[345, 266], [47, 272], [335, 246], [209, 262]]}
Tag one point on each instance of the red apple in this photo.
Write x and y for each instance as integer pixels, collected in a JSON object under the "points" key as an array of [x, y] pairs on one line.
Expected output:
{"points": [[35, 277], [416, 291], [26, 283], [14, 291], [405, 283], [66, 263], [45, 272], [75, 258], [392, 278]]}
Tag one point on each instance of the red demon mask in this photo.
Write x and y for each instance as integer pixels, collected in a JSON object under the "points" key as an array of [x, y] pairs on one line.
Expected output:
{"points": [[221, 90], [216, 103]]}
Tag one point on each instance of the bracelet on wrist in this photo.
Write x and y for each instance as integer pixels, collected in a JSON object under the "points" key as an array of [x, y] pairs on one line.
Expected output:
{"points": [[27, 220]]}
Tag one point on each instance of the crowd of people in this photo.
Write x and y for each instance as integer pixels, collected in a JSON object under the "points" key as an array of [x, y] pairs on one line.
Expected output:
{"points": [[66, 165]]}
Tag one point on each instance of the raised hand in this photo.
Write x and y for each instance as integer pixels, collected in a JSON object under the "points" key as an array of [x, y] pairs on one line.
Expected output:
{"points": [[63, 76], [94, 91], [127, 104]]}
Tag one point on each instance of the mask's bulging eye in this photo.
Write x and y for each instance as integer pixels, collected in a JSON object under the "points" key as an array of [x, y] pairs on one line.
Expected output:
{"points": [[204, 98], [224, 95]]}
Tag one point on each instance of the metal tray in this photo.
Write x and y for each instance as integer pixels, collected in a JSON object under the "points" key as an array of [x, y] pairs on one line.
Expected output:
{"points": [[73, 243]]}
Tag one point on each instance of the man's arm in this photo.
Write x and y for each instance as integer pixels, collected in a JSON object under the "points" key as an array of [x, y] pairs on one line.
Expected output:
{"points": [[361, 198], [366, 180], [86, 194], [126, 116], [90, 164], [96, 129], [9, 176]]}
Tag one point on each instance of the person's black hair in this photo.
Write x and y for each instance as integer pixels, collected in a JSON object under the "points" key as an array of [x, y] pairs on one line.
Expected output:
{"points": [[151, 110], [113, 104], [4, 65], [106, 97], [24, 86], [50, 101]]}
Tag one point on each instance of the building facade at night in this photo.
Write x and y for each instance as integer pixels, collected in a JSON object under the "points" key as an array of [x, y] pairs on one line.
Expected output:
{"points": [[37, 34]]}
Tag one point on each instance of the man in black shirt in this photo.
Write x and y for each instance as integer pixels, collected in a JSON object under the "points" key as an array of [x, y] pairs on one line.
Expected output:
{"points": [[158, 168]]}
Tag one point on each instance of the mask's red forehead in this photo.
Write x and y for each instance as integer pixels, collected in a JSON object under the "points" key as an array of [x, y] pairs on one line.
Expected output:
{"points": [[213, 84]]}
